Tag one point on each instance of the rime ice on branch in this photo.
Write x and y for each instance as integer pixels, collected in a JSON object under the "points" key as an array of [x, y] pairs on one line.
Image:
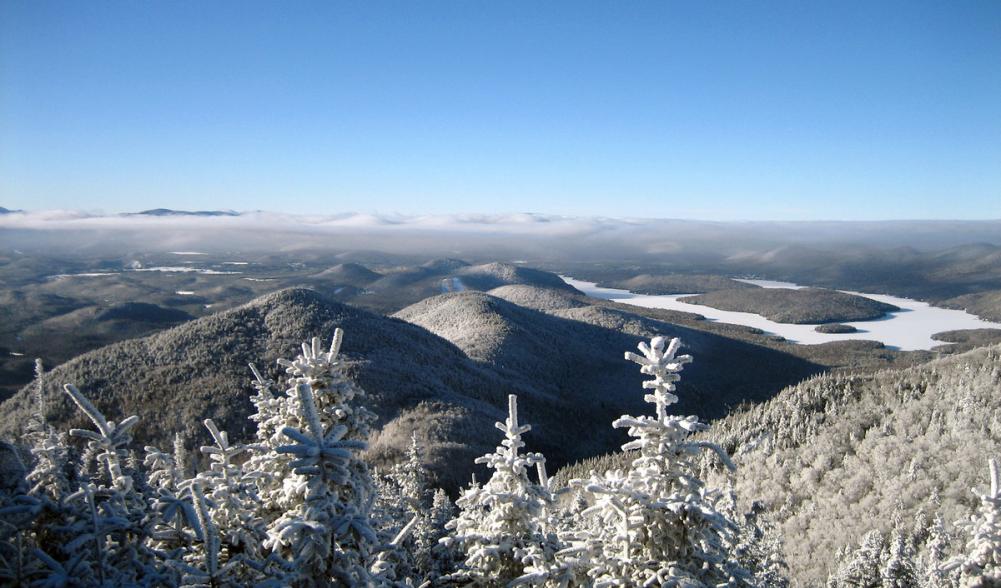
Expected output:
{"points": [[664, 366]]}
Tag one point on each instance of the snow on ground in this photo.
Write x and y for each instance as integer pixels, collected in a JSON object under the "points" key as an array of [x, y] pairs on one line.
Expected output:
{"points": [[909, 329], [83, 275], [182, 269]]}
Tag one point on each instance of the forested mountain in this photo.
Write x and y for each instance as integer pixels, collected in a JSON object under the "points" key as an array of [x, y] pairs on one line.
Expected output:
{"points": [[839, 456], [446, 383]]}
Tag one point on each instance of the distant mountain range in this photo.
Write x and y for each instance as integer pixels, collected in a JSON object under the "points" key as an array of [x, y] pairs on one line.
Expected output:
{"points": [[442, 367], [169, 212]]}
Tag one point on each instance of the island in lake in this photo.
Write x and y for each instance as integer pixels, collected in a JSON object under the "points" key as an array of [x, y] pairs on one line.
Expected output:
{"points": [[802, 306]]}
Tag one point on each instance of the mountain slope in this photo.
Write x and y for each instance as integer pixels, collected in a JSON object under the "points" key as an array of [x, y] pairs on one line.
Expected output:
{"points": [[573, 350], [838, 455], [352, 274], [175, 379], [834, 456], [568, 371], [493, 275]]}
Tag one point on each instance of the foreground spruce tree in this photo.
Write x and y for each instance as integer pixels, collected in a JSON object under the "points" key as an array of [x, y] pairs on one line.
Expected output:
{"points": [[316, 491], [502, 527], [981, 564], [655, 523]]}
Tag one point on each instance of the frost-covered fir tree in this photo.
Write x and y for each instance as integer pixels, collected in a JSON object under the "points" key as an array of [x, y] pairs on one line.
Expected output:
{"points": [[404, 498], [758, 547], [899, 566], [316, 492], [861, 567], [91, 523], [656, 520], [981, 564], [502, 527], [934, 556]]}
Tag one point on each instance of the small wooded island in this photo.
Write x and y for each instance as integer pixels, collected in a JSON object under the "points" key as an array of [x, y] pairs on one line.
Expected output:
{"points": [[803, 306], [835, 329]]}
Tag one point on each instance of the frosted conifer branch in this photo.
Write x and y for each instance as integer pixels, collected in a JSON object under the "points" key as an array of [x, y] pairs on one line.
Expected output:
{"points": [[180, 455], [322, 453], [89, 409], [313, 364], [980, 564], [38, 423], [261, 384], [209, 536], [994, 479], [111, 438], [664, 366], [335, 343], [404, 532]]}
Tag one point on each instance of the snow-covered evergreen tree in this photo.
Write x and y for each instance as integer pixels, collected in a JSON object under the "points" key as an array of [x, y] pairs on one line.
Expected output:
{"points": [[112, 520], [861, 567], [317, 493], [656, 521], [442, 511], [934, 556], [981, 564], [899, 567], [502, 527], [405, 498]]}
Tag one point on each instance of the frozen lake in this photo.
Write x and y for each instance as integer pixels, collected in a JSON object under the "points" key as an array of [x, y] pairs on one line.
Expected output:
{"points": [[909, 329]]}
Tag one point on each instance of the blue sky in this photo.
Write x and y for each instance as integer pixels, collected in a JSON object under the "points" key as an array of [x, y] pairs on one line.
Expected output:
{"points": [[713, 110]]}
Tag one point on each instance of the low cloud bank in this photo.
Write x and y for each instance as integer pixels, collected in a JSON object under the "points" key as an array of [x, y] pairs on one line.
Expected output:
{"points": [[512, 235]]}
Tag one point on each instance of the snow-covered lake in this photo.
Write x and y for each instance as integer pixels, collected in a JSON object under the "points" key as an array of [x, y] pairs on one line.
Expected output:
{"points": [[909, 329]]}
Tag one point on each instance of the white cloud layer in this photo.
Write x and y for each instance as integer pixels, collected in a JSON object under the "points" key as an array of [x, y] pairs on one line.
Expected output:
{"points": [[521, 235]]}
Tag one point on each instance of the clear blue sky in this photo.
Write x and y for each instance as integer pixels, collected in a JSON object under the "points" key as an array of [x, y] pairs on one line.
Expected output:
{"points": [[717, 110]]}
